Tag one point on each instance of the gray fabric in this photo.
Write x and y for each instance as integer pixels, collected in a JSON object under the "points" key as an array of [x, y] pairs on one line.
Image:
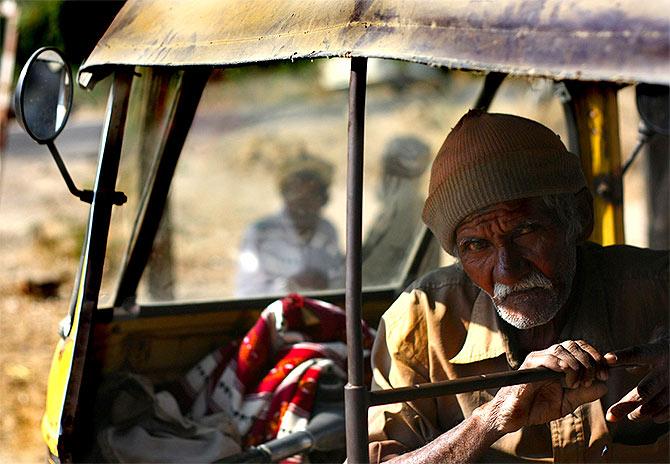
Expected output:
{"points": [[272, 251], [145, 426]]}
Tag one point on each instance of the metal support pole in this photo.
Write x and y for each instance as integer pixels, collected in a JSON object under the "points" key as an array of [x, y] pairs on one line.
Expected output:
{"points": [[355, 392]]}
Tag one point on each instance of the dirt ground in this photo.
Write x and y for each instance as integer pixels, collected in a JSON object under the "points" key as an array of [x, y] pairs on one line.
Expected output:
{"points": [[41, 228]]}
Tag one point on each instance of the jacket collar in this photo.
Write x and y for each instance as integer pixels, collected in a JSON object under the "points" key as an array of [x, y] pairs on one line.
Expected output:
{"points": [[484, 339]]}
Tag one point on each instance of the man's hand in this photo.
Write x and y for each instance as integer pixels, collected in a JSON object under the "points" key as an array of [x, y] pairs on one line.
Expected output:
{"points": [[310, 278], [651, 397], [541, 402]]}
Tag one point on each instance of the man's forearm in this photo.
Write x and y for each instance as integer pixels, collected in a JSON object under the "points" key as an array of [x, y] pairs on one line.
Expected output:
{"points": [[462, 444]]}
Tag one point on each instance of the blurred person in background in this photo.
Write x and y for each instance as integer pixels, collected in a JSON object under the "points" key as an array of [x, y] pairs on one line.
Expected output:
{"points": [[296, 249], [404, 161]]}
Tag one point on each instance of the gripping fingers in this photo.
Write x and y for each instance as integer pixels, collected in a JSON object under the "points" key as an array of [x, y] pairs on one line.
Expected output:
{"points": [[624, 406], [635, 408], [581, 363], [600, 365], [568, 364], [589, 363], [651, 385], [649, 398]]}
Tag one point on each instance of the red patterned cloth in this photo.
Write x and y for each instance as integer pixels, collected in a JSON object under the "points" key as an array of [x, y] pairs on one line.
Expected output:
{"points": [[267, 381]]}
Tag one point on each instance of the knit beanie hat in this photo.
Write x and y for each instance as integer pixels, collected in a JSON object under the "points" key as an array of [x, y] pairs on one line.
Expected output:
{"points": [[492, 158]]}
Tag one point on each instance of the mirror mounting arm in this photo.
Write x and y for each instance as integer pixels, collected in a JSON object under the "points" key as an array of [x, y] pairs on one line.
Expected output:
{"points": [[645, 134], [117, 198]]}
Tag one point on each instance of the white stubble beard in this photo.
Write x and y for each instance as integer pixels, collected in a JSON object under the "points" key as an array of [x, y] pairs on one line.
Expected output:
{"points": [[520, 320], [540, 315]]}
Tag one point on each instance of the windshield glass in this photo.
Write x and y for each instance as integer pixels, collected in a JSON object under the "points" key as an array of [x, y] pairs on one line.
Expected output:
{"points": [[258, 201], [151, 106]]}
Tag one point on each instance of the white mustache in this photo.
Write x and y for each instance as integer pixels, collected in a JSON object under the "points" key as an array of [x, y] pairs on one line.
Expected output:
{"points": [[533, 280]]}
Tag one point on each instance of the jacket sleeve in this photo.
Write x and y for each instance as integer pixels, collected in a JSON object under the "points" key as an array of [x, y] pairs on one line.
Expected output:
{"points": [[399, 359]]}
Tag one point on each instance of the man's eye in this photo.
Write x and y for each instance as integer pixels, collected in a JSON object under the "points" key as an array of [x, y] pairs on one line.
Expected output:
{"points": [[473, 245]]}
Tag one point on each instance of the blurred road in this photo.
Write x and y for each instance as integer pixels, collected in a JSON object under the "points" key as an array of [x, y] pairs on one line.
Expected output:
{"points": [[78, 139]]}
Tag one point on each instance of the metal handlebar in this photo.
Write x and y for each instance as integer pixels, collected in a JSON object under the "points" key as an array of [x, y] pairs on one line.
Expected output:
{"points": [[462, 385], [467, 384]]}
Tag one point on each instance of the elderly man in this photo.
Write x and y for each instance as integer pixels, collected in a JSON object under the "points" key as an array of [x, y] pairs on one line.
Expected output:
{"points": [[511, 203]]}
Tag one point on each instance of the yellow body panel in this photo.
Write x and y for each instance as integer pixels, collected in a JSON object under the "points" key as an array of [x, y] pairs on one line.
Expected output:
{"points": [[57, 383], [59, 376], [163, 347]]}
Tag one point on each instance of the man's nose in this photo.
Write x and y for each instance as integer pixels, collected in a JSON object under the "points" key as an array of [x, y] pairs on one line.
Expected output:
{"points": [[510, 266]]}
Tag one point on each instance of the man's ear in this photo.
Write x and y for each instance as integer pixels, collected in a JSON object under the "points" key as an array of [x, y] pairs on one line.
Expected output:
{"points": [[585, 212]]}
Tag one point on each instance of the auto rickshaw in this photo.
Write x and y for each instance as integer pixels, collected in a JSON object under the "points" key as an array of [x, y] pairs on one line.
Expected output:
{"points": [[155, 288]]}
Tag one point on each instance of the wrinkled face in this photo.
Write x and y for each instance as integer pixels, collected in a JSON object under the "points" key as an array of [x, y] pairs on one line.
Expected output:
{"points": [[521, 258]]}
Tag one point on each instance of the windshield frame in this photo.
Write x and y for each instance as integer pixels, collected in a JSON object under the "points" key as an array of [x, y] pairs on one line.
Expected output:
{"points": [[156, 192]]}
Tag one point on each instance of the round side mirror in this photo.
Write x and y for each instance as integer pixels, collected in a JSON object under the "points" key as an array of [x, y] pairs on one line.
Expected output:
{"points": [[43, 97]]}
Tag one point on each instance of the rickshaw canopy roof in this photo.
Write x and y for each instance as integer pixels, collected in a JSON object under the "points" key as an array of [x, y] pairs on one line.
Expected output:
{"points": [[603, 40]]}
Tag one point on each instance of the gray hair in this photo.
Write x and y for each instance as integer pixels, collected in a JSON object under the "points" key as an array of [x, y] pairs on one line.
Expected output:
{"points": [[563, 209]]}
